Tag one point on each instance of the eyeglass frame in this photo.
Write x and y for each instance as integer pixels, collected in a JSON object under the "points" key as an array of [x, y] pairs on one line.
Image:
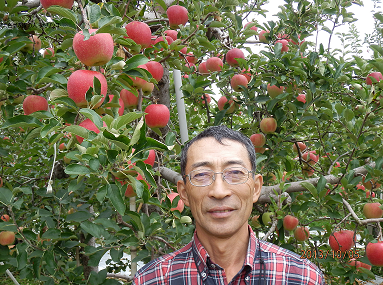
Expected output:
{"points": [[223, 177]]}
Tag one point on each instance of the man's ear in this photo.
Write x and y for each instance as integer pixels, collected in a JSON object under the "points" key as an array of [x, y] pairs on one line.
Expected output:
{"points": [[181, 189], [258, 182]]}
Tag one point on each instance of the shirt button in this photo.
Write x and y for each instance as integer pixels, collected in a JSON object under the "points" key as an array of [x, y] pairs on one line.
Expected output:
{"points": [[247, 278], [213, 266], [203, 274]]}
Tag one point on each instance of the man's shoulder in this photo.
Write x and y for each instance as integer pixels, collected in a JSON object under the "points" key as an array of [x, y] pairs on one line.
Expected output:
{"points": [[159, 267]]}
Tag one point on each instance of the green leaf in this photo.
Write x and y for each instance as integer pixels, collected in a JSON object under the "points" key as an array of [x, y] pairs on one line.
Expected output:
{"points": [[93, 116], [115, 197], [217, 24], [162, 4], [6, 196], [377, 48], [64, 12], [51, 234], [77, 130], [126, 119], [13, 48], [22, 121], [66, 101], [79, 216], [121, 140], [77, 169], [46, 71], [135, 61], [311, 188]]}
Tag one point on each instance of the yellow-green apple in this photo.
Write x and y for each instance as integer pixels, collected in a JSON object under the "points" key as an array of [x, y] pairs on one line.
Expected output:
{"points": [[342, 240], [34, 103], [140, 33], [35, 45], [157, 115], [372, 210], [274, 90], [254, 28], [180, 204], [301, 146], [80, 81], [191, 58], [284, 43], [177, 15], [232, 55], [376, 75], [202, 68], [238, 82], [221, 104], [95, 51], [156, 69], [120, 102], [301, 98], [89, 125], [171, 33], [374, 252], [255, 222], [262, 36], [290, 222], [49, 52], [266, 218], [268, 125], [5, 218], [130, 100], [358, 264], [214, 64], [258, 140], [302, 233], [7, 237], [63, 3], [147, 88]]}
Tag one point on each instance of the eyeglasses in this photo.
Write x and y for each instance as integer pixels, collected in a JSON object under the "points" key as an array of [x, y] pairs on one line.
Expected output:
{"points": [[205, 177]]}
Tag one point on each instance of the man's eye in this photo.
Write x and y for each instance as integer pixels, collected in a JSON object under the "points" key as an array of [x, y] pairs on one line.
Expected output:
{"points": [[201, 175]]}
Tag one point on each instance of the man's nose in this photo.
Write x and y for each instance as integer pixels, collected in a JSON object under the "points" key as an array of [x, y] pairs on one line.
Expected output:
{"points": [[219, 189]]}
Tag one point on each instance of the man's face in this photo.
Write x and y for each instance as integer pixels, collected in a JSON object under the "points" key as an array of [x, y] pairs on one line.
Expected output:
{"points": [[220, 209]]}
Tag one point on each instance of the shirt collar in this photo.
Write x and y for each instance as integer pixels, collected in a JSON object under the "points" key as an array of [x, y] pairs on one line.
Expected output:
{"points": [[203, 258]]}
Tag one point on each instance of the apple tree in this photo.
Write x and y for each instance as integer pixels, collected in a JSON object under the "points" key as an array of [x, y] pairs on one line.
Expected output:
{"points": [[90, 134]]}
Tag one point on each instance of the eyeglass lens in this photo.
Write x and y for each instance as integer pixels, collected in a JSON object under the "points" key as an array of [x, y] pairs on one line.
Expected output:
{"points": [[232, 175]]}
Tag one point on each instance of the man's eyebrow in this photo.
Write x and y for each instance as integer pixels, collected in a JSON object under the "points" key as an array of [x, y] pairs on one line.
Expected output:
{"points": [[226, 164]]}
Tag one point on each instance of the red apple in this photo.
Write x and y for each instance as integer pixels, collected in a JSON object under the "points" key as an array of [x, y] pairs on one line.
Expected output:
{"points": [[268, 125], [80, 81], [171, 33], [358, 264], [138, 82], [254, 28], [258, 140], [191, 58], [62, 146], [5, 218], [63, 3], [168, 39], [301, 98], [180, 204], [343, 240], [130, 192], [370, 183], [89, 125], [208, 99], [157, 116], [120, 102], [7, 237], [95, 51], [290, 222], [35, 45], [259, 149], [130, 100], [301, 233], [262, 37], [232, 55], [156, 69], [49, 52], [310, 157], [34, 103], [377, 75], [374, 252], [221, 105], [274, 90], [372, 210], [237, 81], [214, 64], [247, 74], [177, 15], [151, 158], [301, 146], [202, 68], [140, 33], [284, 43]]}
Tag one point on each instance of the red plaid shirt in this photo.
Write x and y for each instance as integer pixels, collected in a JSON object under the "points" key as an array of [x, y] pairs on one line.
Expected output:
{"points": [[280, 267]]}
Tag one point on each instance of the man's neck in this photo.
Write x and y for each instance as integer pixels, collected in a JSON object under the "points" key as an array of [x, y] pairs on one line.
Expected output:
{"points": [[229, 253]]}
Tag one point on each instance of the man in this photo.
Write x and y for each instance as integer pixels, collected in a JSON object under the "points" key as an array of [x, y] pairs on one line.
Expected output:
{"points": [[220, 186]]}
